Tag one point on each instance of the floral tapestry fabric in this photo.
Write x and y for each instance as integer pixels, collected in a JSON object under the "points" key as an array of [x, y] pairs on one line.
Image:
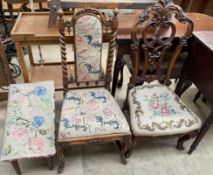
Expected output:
{"points": [[88, 43], [90, 112], [29, 125], [156, 110]]}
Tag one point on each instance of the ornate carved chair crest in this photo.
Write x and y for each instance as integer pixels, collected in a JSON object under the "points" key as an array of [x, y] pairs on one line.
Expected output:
{"points": [[154, 109], [89, 113]]}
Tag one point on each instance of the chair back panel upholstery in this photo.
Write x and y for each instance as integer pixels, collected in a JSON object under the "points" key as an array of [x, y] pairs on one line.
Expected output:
{"points": [[88, 47], [158, 34], [87, 30]]}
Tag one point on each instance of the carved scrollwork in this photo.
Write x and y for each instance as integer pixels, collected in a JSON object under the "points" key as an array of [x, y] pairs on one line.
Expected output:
{"points": [[158, 32]]}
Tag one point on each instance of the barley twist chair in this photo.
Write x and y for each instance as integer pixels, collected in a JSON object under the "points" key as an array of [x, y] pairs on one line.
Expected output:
{"points": [[155, 110], [89, 112]]}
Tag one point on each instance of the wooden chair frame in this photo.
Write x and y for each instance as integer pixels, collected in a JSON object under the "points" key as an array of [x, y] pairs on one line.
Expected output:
{"points": [[154, 48], [109, 26]]}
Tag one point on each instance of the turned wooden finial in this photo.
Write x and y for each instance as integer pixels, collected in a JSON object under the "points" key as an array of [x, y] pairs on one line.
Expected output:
{"points": [[61, 20], [115, 11]]}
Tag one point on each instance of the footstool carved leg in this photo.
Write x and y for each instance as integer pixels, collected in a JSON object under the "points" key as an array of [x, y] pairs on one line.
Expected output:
{"points": [[50, 163], [16, 167]]}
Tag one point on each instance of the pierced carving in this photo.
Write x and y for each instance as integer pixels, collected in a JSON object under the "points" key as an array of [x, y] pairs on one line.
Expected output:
{"points": [[157, 35]]}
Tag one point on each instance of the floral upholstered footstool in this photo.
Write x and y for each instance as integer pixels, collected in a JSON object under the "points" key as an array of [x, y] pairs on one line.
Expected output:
{"points": [[29, 126]]}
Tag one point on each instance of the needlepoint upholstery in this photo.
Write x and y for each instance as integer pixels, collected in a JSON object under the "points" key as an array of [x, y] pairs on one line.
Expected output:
{"points": [[29, 125], [88, 43], [156, 110], [91, 112]]}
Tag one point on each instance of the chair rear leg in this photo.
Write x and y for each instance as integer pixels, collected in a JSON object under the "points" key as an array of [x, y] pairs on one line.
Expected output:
{"points": [[16, 167], [50, 163], [60, 153], [120, 81], [202, 132], [197, 96]]}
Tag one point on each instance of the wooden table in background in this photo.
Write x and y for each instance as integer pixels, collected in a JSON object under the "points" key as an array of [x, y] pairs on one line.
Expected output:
{"points": [[106, 4], [32, 29], [198, 69]]}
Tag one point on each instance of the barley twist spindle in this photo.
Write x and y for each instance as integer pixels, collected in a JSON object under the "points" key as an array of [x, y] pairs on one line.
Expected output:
{"points": [[63, 50], [111, 49]]}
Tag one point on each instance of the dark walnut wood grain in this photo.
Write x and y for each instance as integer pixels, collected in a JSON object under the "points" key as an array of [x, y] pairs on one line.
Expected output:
{"points": [[198, 69], [148, 51]]}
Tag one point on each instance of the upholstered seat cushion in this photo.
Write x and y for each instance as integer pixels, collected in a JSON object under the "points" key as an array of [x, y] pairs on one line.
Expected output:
{"points": [[90, 112], [29, 125], [155, 110]]}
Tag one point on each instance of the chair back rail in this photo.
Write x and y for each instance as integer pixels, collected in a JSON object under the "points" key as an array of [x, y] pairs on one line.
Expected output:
{"points": [[158, 34]]}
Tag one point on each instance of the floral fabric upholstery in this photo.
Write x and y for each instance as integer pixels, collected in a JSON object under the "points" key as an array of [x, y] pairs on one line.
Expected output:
{"points": [[155, 110], [29, 125], [88, 43], [90, 112]]}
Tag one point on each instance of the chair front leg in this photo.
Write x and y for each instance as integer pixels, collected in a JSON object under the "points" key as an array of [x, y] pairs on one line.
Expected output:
{"points": [[123, 146], [60, 154], [16, 167], [128, 153], [184, 138]]}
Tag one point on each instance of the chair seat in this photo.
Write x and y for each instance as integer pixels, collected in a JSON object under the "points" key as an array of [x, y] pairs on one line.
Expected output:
{"points": [[90, 112], [155, 110], [29, 125]]}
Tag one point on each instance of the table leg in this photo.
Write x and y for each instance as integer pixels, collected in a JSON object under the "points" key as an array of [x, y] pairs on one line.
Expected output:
{"points": [[30, 54], [202, 132], [184, 82], [22, 62]]}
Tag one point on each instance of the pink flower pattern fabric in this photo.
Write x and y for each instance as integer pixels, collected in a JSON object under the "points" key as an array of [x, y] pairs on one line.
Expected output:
{"points": [[29, 125], [90, 112], [88, 45], [159, 104], [155, 110]]}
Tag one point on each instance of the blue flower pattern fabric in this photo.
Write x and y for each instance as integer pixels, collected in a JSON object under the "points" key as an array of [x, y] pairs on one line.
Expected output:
{"points": [[88, 45], [40, 91], [29, 127], [90, 112], [37, 121]]}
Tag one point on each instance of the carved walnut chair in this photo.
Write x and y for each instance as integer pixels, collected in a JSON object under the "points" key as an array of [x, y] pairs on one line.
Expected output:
{"points": [[155, 110], [89, 113]]}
